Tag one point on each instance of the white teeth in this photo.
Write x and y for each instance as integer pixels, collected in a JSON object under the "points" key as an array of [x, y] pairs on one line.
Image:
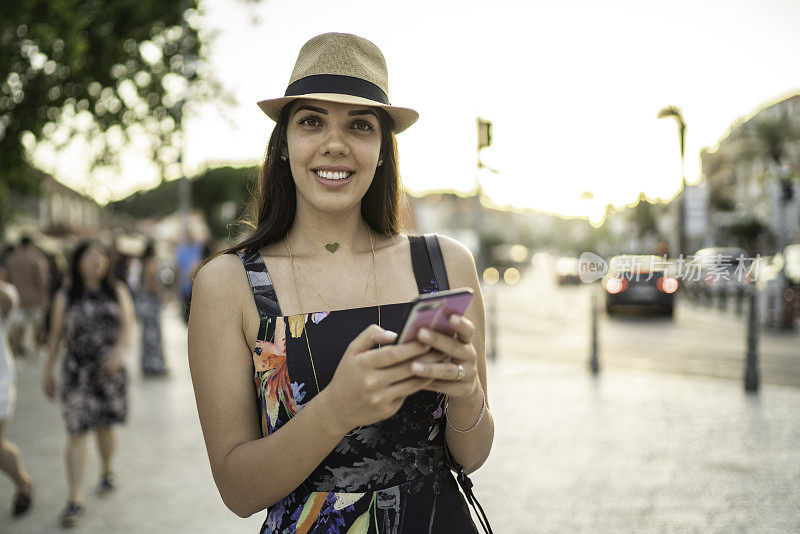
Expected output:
{"points": [[330, 175]]}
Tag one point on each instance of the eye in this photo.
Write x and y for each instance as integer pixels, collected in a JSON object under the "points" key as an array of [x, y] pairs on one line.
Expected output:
{"points": [[311, 121], [363, 126]]}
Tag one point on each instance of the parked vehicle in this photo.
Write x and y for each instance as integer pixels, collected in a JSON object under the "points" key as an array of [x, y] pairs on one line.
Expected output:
{"points": [[779, 288], [642, 281], [568, 271]]}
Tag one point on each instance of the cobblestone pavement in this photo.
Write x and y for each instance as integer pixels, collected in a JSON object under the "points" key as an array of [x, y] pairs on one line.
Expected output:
{"points": [[629, 451]]}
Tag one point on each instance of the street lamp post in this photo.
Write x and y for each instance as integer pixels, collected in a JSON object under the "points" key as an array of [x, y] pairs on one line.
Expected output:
{"points": [[674, 112]]}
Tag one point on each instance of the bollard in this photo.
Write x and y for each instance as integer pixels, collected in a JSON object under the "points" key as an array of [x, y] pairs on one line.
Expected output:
{"points": [[594, 364], [739, 301], [751, 370]]}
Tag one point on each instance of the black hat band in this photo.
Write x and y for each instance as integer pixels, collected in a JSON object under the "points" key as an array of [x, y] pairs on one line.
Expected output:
{"points": [[339, 84]]}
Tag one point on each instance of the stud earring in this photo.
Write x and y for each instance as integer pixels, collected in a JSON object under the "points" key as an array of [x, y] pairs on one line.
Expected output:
{"points": [[380, 162], [284, 158]]}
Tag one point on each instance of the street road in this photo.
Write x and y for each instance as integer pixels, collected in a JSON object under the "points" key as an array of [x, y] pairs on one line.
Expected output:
{"points": [[642, 448], [540, 320]]}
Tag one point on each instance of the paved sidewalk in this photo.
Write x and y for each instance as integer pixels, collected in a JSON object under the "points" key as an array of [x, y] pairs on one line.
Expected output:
{"points": [[628, 452]]}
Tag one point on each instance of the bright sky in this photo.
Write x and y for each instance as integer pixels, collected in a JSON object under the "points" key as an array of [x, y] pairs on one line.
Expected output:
{"points": [[572, 87]]}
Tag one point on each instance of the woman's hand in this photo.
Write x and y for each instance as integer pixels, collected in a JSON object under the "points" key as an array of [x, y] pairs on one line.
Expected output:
{"points": [[370, 385], [49, 385], [452, 352]]}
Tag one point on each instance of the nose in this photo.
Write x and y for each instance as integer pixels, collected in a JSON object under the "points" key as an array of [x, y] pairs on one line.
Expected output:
{"points": [[334, 143]]}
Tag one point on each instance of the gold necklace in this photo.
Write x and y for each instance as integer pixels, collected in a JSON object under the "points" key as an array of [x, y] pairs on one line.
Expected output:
{"points": [[305, 330], [331, 246], [363, 297]]}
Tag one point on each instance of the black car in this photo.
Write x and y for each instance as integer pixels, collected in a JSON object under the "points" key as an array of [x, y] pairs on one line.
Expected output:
{"points": [[640, 281]]}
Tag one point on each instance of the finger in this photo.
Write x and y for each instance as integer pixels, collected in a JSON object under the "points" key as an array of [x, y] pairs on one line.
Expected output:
{"points": [[406, 387], [371, 336], [402, 371], [442, 342], [439, 371], [390, 356], [463, 327]]}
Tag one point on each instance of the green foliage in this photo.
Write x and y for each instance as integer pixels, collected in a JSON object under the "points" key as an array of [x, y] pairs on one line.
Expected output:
{"points": [[221, 194], [643, 216], [773, 136], [747, 231], [103, 71]]}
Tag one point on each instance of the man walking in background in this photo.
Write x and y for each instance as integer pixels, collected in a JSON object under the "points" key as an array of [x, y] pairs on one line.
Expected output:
{"points": [[26, 268]]}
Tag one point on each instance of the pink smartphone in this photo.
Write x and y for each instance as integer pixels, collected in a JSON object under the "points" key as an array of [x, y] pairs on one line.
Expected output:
{"points": [[433, 311]]}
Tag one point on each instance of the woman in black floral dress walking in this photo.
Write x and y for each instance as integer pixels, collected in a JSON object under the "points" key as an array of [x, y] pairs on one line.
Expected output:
{"points": [[93, 316]]}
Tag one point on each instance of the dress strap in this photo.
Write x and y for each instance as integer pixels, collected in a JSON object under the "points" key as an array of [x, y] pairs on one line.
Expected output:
{"points": [[421, 262], [261, 284]]}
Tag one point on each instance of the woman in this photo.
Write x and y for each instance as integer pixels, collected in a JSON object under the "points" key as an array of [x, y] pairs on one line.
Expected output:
{"points": [[94, 317], [148, 309], [341, 432], [10, 458]]}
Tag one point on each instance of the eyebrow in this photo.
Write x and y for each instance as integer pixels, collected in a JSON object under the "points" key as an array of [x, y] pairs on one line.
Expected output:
{"points": [[353, 113], [362, 112]]}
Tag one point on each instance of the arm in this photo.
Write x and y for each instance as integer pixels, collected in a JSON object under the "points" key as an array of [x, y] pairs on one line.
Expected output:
{"points": [[53, 341], [254, 472], [251, 472], [127, 319], [44, 279], [9, 298], [469, 449]]}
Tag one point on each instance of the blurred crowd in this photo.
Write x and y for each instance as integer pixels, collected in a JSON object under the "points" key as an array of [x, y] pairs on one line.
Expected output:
{"points": [[80, 302]]}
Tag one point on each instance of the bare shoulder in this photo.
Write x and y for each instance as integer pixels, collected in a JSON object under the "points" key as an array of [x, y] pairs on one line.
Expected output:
{"points": [[220, 278], [220, 269], [459, 262]]}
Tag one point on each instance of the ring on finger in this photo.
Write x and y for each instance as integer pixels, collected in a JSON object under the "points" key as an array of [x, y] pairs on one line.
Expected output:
{"points": [[460, 372]]}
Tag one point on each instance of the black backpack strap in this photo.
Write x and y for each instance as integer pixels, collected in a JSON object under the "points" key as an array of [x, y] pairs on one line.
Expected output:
{"points": [[437, 261]]}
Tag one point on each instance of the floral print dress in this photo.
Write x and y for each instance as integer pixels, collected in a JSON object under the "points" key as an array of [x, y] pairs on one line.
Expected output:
{"points": [[91, 397], [390, 477]]}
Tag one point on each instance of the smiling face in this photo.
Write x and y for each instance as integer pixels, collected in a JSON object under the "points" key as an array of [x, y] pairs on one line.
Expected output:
{"points": [[333, 151]]}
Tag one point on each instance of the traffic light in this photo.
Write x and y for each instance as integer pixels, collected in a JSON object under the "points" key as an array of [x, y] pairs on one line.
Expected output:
{"points": [[484, 133]]}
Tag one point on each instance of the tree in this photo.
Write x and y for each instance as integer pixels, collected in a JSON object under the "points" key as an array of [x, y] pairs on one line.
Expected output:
{"points": [[771, 138], [643, 216], [101, 71], [210, 192]]}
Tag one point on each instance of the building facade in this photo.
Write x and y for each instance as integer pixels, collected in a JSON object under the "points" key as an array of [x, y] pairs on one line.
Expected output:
{"points": [[752, 199]]}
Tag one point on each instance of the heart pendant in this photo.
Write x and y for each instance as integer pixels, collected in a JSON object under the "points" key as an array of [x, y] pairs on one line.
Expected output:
{"points": [[332, 246]]}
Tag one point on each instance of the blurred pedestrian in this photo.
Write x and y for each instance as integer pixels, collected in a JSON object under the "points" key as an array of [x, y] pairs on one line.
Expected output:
{"points": [[148, 299], [10, 457], [342, 432], [57, 266], [93, 315], [27, 269], [188, 254]]}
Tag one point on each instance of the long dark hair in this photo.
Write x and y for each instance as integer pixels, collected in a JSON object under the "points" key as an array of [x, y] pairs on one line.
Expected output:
{"points": [[76, 288], [273, 204]]}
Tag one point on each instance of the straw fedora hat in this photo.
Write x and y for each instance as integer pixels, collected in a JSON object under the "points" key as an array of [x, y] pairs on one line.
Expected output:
{"points": [[345, 68]]}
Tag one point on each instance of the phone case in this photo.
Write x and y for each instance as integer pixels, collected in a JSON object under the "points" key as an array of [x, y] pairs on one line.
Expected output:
{"points": [[433, 311]]}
